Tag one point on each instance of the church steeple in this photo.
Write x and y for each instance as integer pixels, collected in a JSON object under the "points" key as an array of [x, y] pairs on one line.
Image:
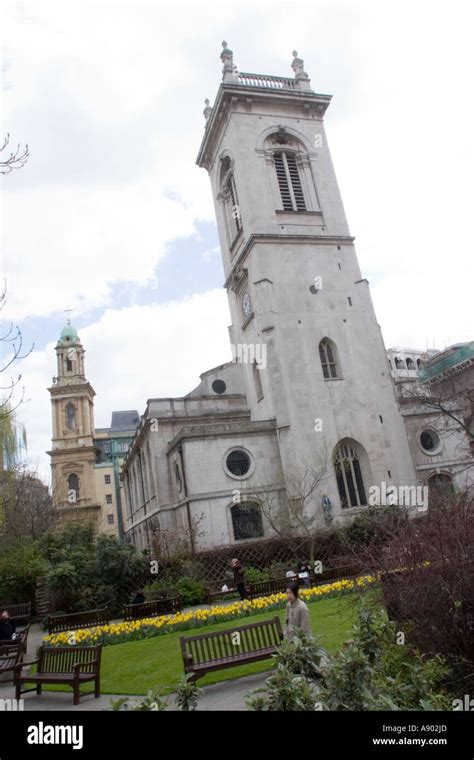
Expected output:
{"points": [[70, 357], [282, 229], [73, 454]]}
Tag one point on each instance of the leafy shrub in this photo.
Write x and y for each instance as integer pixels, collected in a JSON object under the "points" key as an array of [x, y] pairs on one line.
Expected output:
{"points": [[374, 673], [20, 566], [152, 702], [253, 575], [85, 571], [302, 655], [187, 693], [159, 588], [192, 591], [283, 691], [187, 696], [277, 570], [371, 672]]}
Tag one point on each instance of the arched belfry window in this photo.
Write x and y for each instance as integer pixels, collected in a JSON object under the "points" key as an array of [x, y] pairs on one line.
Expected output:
{"points": [[228, 194], [289, 181], [73, 488], [329, 361], [71, 416], [291, 170], [347, 462]]}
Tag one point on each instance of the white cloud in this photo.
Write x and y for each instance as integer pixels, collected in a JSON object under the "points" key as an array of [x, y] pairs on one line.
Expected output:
{"points": [[110, 98], [133, 354]]}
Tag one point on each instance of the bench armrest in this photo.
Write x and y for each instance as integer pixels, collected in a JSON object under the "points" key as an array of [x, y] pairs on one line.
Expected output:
{"points": [[21, 665], [78, 665]]}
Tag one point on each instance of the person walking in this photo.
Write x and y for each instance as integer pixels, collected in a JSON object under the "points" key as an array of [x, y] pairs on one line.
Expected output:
{"points": [[297, 615], [239, 578]]}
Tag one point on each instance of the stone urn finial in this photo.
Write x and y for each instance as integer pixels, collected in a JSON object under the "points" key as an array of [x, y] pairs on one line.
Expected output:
{"points": [[208, 110], [227, 58], [298, 66]]}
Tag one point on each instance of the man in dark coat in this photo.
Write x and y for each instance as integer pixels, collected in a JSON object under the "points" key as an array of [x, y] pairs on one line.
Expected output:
{"points": [[239, 578]]}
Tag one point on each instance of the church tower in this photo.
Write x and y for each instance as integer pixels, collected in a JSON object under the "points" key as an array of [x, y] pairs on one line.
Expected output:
{"points": [[303, 323], [73, 453]]}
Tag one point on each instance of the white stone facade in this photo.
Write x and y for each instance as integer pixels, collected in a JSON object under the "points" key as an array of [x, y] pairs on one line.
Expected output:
{"points": [[313, 377]]}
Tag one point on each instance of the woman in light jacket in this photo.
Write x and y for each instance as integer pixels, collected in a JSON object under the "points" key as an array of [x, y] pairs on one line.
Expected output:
{"points": [[297, 615]]}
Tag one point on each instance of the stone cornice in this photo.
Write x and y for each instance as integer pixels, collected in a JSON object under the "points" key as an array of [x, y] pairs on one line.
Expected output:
{"points": [[67, 450], [229, 94], [198, 420], [75, 389], [189, 432], [278, 238]]}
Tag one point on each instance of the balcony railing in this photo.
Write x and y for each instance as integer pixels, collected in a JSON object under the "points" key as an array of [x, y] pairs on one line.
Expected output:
{"points": [[261, 80]]}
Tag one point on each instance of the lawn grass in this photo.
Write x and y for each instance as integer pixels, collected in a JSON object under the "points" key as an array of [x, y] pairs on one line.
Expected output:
{"points": [[136, 666]]}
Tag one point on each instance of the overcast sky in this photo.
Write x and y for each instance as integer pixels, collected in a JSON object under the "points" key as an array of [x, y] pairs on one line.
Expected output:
{"points": [[112, 217]]}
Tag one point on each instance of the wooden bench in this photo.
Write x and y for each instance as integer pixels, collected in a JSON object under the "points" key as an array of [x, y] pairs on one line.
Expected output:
{"points": [[153, 609], [206, 652], [335, 574], [10, 656], [20, 640], [76, 620], [19, 613], [72, 666], [12, 652], [265, 588]]}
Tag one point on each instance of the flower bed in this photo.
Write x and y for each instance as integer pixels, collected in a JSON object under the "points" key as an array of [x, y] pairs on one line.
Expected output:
{"points": [[117, 633]]}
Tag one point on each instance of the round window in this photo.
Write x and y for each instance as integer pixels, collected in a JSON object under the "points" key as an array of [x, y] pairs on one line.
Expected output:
{"points": [[238, 462], [218, 386], [429, 441]]}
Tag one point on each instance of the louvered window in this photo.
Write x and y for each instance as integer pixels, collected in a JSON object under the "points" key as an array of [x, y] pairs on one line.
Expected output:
{"points": [[234, 204], [289, 182]]}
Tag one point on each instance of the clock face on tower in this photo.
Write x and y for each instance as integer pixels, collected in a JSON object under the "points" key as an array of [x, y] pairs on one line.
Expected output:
{"points": [[246, 304]]}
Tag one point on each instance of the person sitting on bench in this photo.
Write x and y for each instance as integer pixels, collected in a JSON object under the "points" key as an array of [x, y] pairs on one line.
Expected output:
{"points": [[7, 628], [139, 598]]}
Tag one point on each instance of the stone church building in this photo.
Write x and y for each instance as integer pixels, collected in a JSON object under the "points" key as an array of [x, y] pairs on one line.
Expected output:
{"points": [[310, 415], [307, 412]]}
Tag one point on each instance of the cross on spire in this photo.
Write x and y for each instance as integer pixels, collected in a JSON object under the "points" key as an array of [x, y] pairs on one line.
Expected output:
{"points": [[67, 312]]}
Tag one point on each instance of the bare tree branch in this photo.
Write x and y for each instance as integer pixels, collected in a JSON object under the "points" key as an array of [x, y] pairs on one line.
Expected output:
{"points": [[16, 160]]}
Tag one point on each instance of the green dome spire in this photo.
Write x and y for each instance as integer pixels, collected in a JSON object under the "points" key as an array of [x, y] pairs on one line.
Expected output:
{"points": [[69, 334]]}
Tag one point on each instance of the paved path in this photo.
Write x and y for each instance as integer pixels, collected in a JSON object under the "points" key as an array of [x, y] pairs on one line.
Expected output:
{"points": [[227, 695]]}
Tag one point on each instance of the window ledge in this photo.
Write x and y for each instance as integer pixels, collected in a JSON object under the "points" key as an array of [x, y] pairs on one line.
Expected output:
{"points": [[300, 213]]}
